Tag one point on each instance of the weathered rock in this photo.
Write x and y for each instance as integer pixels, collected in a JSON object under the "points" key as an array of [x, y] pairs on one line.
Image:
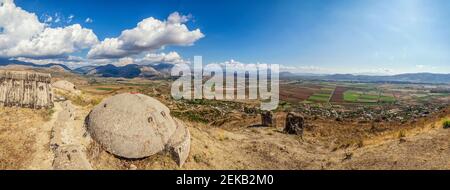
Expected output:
{"points": [[68, 150], [70, 158], [267, 119], [180, 143], [25, 89], [131, 125], [66, 86], [294, 124]]}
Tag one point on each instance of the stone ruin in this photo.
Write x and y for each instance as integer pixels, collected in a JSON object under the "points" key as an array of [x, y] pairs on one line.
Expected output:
{"points": [[136, 126], [25, 89], [294, 124], [267, 119]]}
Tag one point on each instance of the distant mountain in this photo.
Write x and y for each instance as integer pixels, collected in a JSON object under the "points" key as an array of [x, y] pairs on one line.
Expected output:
{"points": [[6, 62], [400, 78], [162, 70], [159, 70]]}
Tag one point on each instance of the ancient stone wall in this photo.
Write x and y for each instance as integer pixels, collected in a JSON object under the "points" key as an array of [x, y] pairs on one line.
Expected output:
{"points": [[25, 89]]}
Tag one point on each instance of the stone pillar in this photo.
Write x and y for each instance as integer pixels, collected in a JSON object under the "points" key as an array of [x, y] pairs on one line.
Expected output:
{"points": [[267, 119], [294, 124]]}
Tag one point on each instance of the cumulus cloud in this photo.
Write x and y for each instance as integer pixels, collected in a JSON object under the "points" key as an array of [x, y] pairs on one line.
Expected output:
{"points": [[57, 18], [70, 61], [282, 68], [148, 59], [124, 61], [70, 18], [48, 18], [25, 36], [171, 57], [150, 34]]}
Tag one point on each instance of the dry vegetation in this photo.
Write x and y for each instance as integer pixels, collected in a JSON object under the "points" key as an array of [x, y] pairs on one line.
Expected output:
{"points": [[18, 130], [223, 139]]}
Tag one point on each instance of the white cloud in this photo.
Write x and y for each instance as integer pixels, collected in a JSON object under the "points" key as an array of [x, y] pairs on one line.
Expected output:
{"points": [[25, 36], [425, 68], [57, 18], [88, 20], [75, 61], [150, 34], [150, 58], [171, 57], [70, 61], [175, 18], [48, 19], [302, 69], [124, 61], [70, 18]]}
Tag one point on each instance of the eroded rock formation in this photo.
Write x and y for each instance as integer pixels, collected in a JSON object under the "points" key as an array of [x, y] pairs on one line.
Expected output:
{"points": [[25, 89]]}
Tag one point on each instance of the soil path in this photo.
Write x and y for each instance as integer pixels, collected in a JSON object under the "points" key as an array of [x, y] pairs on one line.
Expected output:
{"points": [[42, 157]]}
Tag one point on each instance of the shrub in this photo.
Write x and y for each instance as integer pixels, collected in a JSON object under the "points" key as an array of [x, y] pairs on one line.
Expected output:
{"points": [[446, 124]]}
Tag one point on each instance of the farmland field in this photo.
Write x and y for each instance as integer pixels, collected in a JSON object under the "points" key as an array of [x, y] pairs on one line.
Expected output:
{"points": [[338, 93], [319, 97]]}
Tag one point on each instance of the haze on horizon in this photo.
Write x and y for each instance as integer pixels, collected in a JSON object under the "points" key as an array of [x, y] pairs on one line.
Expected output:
{"points": [[321, 36]]}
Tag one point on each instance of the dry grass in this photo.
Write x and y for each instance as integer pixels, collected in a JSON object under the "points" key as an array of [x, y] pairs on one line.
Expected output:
{"points": [[18, 134]]}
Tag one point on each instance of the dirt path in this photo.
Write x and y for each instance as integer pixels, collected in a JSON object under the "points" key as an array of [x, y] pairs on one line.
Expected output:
{"points": [[43, 156], [68, 140]]}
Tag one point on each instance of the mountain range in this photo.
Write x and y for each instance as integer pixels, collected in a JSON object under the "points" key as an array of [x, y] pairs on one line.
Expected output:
{"points": [[6, 62], [162, 70]]}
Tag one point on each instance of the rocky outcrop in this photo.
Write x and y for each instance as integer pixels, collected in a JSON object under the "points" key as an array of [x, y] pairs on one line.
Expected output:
{"points": [[65, 86], [25, 89]]}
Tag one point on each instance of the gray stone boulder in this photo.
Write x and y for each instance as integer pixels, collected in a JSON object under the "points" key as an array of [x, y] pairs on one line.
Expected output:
{"points": [[137, 126]]}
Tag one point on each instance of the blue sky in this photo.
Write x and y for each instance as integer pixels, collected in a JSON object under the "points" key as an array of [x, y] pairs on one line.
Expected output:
{"points": [[314, 36]]}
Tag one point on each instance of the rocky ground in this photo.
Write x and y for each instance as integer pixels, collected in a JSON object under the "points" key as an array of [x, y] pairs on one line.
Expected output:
{"points": [[32, 141]]}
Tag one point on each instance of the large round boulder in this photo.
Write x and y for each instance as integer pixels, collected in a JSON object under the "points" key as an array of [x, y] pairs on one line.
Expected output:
{"points": [[131, 125]]}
